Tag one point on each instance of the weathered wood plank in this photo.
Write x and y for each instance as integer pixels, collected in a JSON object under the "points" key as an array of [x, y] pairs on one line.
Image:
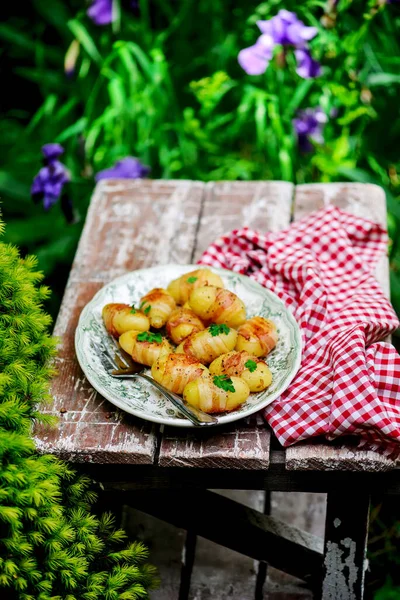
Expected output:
{"points": [[243, 446], [230, 205], [345, 546], [131, 224], [238, 527], [367, 201]]}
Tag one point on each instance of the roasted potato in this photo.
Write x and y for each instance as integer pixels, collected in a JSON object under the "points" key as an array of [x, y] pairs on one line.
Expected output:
{"points": [[217, 305], [207, 345], [216, 394], [257, 336], [144, 347], [158, 304], [251, 369], [182, 323], [119, 318], [174, 371], [181, 288]]}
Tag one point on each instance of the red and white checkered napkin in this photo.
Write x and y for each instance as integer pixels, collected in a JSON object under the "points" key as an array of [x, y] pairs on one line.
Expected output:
{"points": [[322, 267]]}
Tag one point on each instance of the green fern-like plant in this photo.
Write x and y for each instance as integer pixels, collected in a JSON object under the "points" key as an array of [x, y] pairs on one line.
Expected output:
{"points": [[52, 547]]}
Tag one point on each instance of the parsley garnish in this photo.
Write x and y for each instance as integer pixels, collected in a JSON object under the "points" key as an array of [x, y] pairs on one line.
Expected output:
{"points": [[143, 302], [133, 310], [148, 336], [192, 279], [251, 365], [224, 382], [216, 329], [147, 309]]}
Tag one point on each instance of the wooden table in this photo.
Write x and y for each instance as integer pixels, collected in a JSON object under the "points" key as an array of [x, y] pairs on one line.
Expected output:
{"points": [[167, 472]]}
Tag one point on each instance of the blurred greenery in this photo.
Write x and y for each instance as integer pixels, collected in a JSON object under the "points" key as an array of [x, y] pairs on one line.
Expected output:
{"points": [[162, 83]]}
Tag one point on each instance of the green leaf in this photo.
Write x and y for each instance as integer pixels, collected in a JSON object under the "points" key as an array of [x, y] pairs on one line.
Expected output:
{"points": [[148, 336], [216, 329], [251, 365], [44, 111], [352, 115], [377, 79], [298, 97], [147, 309], [224, 382], [81, 34], [133, 310], [191, 279], [72, 131]]}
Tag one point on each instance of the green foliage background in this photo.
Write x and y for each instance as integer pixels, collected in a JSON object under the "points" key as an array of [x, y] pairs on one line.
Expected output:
{"points": [[163, 83]]}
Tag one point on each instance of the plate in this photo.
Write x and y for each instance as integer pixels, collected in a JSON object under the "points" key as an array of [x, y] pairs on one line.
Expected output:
{"points": [[142, 400]]}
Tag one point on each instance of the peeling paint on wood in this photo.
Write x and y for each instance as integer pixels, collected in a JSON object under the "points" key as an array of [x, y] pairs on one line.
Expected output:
{"points": [[130, 225], [229, 205], [341, 571], [345, 546]]}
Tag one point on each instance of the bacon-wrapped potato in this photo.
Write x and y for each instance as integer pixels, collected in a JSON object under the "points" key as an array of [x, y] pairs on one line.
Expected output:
{"points": [[207, 345], [217, 305], [175, 371], [158, 304], [216, 394], [258, 336], [251, 369], [144, 347], [181, 288], [182, 323], [119, 318]]}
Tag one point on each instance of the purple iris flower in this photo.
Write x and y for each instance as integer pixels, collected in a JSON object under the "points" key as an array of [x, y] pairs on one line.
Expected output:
{"points": [[287, 29], [309, 125], [127, 168], [51, 152], [255, 59], [284, 29], [48, 184], [307, 67], [101, 12]]}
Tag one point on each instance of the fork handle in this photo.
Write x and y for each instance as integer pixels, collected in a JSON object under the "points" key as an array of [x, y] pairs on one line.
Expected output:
{"points": [[196, 416]]}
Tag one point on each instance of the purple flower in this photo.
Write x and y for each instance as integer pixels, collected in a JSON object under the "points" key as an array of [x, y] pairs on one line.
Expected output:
{"points": [[255, 59], [127, 168], [284, 29], [307, 67], [101, 12], [51, 152], [287, 29], [49, 182], [309, 125]]}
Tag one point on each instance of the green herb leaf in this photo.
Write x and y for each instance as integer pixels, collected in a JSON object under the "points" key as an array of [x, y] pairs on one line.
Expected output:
{"points": [[224, 382], [192, 279], [147, 309], [148, 336], [133, 310], [251, 365], [216, 329]]}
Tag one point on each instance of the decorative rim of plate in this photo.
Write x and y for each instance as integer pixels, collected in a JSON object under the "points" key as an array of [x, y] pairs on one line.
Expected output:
{"points": [[176, 421]]}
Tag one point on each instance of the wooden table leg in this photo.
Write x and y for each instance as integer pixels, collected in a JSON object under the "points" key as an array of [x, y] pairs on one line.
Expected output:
{"points": [[345, 545], [187, 564]]}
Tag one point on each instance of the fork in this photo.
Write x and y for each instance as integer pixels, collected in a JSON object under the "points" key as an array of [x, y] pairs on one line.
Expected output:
{"points": [[121, 366]]}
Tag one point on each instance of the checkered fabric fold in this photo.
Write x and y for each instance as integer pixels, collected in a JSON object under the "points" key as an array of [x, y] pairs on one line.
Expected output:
{"points": [[322, 267]]}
